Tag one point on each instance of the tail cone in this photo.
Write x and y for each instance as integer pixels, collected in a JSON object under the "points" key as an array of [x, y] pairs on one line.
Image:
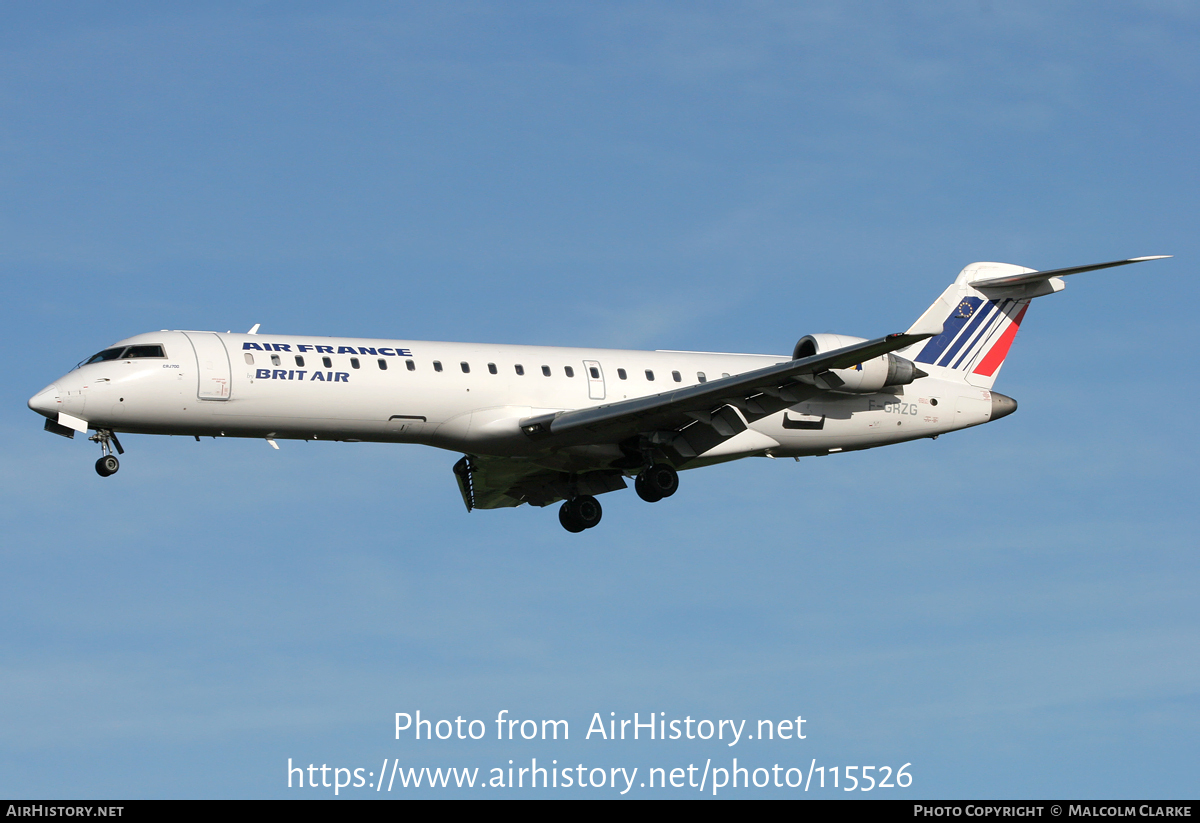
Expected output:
{"points": [[1002, 405]]}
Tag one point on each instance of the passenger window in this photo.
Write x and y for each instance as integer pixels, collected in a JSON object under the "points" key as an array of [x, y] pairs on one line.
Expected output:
{"points": [[437, 365], [354, 362], [595, 372], [328, 363], [677, 377], [274, 360], [621, 374], [411, 365], [382, 364], [492, 368], [466, 367], [649, 375], [700, 376], [520, 369], [546, 370], [299, 361], [249, 359], [570, 371]]}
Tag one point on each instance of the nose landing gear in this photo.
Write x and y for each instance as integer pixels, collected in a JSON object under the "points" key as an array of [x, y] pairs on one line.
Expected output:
{"points": [[108, 463]]}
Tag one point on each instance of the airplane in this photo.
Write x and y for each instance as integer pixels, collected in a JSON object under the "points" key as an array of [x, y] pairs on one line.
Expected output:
{"points": [[540, 425]]}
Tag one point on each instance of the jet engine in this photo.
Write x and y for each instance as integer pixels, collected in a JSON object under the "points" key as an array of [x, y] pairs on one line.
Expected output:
{"points": [[866, 377]]}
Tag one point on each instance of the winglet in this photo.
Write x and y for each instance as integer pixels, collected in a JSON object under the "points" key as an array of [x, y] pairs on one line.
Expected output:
{"points": [[254, 329]]}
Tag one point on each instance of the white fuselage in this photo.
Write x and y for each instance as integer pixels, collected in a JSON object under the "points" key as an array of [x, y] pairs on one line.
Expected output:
{"points": [[314, 388]]}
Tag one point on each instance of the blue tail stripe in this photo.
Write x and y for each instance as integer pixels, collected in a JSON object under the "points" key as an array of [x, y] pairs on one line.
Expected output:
{"points": [[970, 336], [977, 319], [981, 340], [995, 316], [950, 329]]}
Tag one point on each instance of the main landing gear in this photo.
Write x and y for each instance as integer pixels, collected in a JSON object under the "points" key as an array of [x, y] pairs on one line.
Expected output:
{"points": [[582, 512], [656, 482], [108, 463]]}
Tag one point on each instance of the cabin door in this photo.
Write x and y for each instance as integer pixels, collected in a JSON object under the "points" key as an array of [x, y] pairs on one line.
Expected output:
{"points": [[212, 365]]}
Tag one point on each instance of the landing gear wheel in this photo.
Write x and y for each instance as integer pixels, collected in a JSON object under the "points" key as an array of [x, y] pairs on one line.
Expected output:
{"points": [[584, 512], [587, 510], [107, 465], [566, 516], [657, 482], [644, 491]]}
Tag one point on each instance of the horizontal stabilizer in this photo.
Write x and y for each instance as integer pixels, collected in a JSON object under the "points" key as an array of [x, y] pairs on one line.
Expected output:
{"points": [[1037, 276]]}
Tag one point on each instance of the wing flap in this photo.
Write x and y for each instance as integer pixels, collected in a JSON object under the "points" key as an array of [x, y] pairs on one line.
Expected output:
{"points": [[504, 482]]}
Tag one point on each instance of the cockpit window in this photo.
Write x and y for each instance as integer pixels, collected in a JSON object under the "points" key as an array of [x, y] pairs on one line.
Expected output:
{"points": [[143, 351], [125, 353], [107, 354]]}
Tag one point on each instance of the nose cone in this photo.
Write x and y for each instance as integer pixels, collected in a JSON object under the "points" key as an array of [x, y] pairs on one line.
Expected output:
{"points": [[1002, 406], [46, 402]]}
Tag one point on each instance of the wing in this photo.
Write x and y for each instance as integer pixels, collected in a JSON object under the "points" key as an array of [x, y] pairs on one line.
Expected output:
{"points": [[683, 424], [691, 420]]}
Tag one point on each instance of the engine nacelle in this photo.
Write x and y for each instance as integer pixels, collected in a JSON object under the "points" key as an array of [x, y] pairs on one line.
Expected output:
{"points": [[865, 378]]}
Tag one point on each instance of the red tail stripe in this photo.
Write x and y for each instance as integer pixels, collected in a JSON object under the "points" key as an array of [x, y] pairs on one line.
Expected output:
{"points": [[992, 360]]}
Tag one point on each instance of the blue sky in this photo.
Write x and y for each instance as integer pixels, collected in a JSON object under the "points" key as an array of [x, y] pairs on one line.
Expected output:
{"points": [[1011, 609]]}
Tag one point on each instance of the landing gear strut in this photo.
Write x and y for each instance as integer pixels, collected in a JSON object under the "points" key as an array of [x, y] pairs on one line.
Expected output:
{"points": [[108, 463], [581, 513], [656, 482]]}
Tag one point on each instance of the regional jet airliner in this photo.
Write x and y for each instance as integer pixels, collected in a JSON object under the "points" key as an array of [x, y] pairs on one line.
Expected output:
{"points": [[540, 425]]}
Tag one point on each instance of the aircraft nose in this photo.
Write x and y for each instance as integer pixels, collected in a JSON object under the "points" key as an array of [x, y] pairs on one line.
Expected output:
{"points": [[46, 402]]}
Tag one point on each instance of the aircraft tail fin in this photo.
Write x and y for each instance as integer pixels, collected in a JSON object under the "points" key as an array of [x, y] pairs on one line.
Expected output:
{"points": [[980, 314]]}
